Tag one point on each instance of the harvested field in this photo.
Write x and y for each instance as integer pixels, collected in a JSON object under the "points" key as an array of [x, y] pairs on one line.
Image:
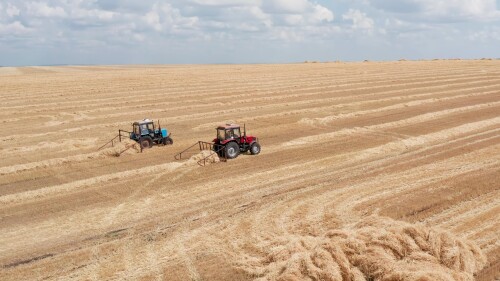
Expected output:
{"points": [[368, 171]]}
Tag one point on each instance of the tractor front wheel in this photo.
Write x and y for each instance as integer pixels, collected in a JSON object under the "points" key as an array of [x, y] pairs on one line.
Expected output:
{"points": [[255, 148], [232, 150], [168, 140], [145, 142]]}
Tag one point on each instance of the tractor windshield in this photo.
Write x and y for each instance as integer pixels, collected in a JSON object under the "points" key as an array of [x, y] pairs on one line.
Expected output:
{"points": [[221, 134], [146, 128], [236, 132], [136, 130]]}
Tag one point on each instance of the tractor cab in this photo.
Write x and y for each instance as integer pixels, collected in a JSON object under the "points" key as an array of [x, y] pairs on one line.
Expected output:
{"points": [[228, 132], [142, 128]]}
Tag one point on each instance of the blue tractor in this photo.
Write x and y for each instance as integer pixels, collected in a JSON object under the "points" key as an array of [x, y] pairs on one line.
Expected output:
{"points": [[146, 134]]}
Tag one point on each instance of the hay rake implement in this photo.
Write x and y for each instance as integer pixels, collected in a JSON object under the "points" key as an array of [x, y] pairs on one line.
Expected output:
{"points": [[114, 140], [201, 145]]}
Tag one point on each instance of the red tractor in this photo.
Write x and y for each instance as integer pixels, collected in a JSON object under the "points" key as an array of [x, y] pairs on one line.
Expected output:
{"points": [[230, 142]]}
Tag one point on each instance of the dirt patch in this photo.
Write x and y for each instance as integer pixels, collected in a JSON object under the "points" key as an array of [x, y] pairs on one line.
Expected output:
{"points": [[376, 248]]}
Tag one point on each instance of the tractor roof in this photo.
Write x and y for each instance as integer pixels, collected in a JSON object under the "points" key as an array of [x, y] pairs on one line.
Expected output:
{"points": [[144, 121], [228, 126]]}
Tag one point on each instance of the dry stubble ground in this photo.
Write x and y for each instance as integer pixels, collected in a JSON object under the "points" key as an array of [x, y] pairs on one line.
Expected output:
{"points": [[383, 171]]}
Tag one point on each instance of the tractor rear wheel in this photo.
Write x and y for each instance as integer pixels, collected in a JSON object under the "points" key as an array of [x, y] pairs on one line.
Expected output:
{"points": [[145, 142], [232, 150], [255, 148]]}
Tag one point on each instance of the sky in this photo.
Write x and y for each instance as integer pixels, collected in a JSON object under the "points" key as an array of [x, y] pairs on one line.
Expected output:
{"points": [[55, 32]]}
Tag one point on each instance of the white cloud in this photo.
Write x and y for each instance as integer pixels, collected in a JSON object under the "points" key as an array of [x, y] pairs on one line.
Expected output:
{"points": [[298, 11], [164, 17], [442, 10], [227, 3], [486, 35], [476, 9], [287, 34], [12, 11], [14, 28], [288, 6], [317, 15], [321, 13], [78, 13], [258, 14], [42, 9], [126, 34], [294, 19], [304, 33], [153, 19], [297, 14], [359, 20], [245, 18]]}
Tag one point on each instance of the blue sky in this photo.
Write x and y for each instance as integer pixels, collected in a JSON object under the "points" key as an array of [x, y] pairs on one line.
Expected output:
{"points": [[242, 31]]}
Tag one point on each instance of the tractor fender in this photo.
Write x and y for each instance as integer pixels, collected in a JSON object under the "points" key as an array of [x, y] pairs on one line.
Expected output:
{"points": [[229, 141], [225, 142], [251, 143], [251, 139]]}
